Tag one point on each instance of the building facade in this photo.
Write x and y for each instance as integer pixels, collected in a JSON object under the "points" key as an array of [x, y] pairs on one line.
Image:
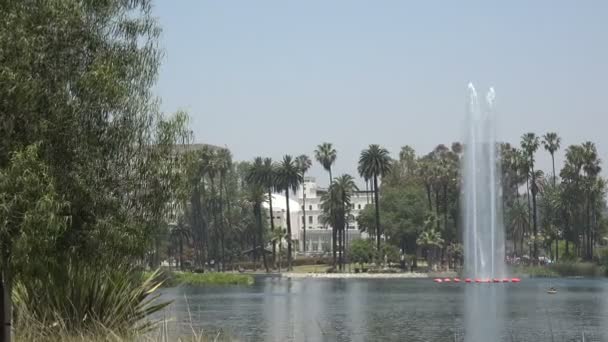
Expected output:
{"points": [[305, 208]]}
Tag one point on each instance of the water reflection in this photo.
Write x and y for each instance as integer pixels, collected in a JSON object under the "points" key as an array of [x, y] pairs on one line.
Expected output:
{"points": [[278, 309]]}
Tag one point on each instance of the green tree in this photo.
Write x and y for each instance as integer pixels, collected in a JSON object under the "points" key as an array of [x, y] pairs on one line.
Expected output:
{"points": [[31, 221], [304, 163], [326, 155], [430, 239], [180, 233], [361, 251], [551, 143], [529, 144], [336, 206], [288, 178], [374, 163]]}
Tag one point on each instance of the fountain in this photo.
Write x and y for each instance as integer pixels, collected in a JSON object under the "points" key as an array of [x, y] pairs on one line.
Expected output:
{"points": [[484, 246]]}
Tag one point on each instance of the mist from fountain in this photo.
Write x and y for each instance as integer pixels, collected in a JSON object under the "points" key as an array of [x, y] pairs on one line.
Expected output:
{"points": [[484, 246]]}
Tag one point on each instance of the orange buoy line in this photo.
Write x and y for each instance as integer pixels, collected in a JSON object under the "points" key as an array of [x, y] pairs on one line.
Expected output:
{"points": [[477, 280]]}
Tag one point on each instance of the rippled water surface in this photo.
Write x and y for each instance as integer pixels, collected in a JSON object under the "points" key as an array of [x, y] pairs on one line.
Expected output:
{"points": [[277, 309]]}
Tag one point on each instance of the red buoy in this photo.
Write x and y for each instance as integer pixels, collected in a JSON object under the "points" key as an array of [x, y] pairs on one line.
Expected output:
{"points": [[496, 280], [438, 280], [505, 280], [477, 280], [515, 280], [468, 280], [457, 280], [447, 280]]}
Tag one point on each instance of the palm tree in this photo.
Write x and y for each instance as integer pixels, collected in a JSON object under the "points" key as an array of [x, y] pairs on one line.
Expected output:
{"points": [[288, 178], [592, 168], [518, 220], [257, 195], [326, 155], [551, 142], [268, 179], [430, 239], [223, 164], [529, 144], [304, 163], [180, 233], [373, 163], [336, 206]]}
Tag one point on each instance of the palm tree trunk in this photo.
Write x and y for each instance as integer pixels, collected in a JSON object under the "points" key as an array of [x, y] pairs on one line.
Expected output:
{"points": [[445, 207], [334, 244], [340, 234], [288, 231], [535, 226], [378, 230], [331, 179], [6, 306], [258, 215], [181, 253], [429, 196], [553, 162], [274, 243], [304, 219]]}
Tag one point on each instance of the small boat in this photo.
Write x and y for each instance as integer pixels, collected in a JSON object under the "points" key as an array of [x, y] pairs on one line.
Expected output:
{"points": [[552, 290]]}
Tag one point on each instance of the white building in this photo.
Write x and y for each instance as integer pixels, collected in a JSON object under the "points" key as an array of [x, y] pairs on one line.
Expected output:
{"points": [[305, 207]]}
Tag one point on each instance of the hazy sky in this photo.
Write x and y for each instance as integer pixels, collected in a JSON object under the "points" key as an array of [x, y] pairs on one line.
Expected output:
{"points": [[279, 77]]}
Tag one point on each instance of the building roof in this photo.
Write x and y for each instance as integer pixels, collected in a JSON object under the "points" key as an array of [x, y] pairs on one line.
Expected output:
{"points": [[279, 203]]}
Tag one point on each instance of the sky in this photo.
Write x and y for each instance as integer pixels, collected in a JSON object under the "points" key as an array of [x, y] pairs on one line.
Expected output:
{"points": [[276, 77]]}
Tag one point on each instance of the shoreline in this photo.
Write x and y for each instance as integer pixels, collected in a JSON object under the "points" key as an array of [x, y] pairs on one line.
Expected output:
{"points": [[291, 275]]}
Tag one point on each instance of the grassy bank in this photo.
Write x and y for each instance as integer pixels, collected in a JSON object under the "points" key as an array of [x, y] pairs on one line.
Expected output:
{"points": [[574, 269], [177, 278]]}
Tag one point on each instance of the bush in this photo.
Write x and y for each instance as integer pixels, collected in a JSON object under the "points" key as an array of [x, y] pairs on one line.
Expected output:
{"points": [[212, 278], [579, 269], [81, 299]]}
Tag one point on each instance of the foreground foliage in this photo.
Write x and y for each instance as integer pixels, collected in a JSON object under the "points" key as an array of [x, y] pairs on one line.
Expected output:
{"points": [[84, 300]]}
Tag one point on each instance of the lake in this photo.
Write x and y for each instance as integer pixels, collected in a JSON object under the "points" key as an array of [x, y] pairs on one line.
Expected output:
{"points": [[279, 309]]}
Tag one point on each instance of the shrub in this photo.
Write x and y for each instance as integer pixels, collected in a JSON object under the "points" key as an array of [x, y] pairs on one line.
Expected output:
{"points": [[81, 299]]}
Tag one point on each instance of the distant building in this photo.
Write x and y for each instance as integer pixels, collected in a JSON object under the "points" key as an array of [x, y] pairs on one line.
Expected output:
{"points": [[318, 235]]}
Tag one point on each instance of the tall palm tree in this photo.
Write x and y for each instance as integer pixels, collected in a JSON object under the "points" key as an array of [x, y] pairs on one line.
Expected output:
{"points": [[288, 178], [223, 164], [304, 163], [257, 195], [518, 220], [592, 168], [375, 162], [336, 207], [180, 233], [268, 179], [551, 143], [529, 144], [431, 240], [326, 155]]}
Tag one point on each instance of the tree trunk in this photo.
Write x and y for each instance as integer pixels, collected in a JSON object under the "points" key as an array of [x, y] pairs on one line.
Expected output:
{"points": [[6, 306], [340, 234], [304, 219], [181, 254], [274, 243], [378, 230], [553, 162], [438, 215], [288, 230], [556, 249], [535, 226], [445, 208], [334, 244], [429, 196], [258, 216]]}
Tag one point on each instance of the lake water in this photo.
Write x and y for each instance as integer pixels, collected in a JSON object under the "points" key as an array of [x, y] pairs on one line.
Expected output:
{"points": [[277, 309]]}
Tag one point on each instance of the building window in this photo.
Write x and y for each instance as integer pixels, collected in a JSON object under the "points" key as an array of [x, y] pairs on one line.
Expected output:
{"points": [[359, 206], [310, 207], [302, 208], [303, 220], [310, 219]]}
